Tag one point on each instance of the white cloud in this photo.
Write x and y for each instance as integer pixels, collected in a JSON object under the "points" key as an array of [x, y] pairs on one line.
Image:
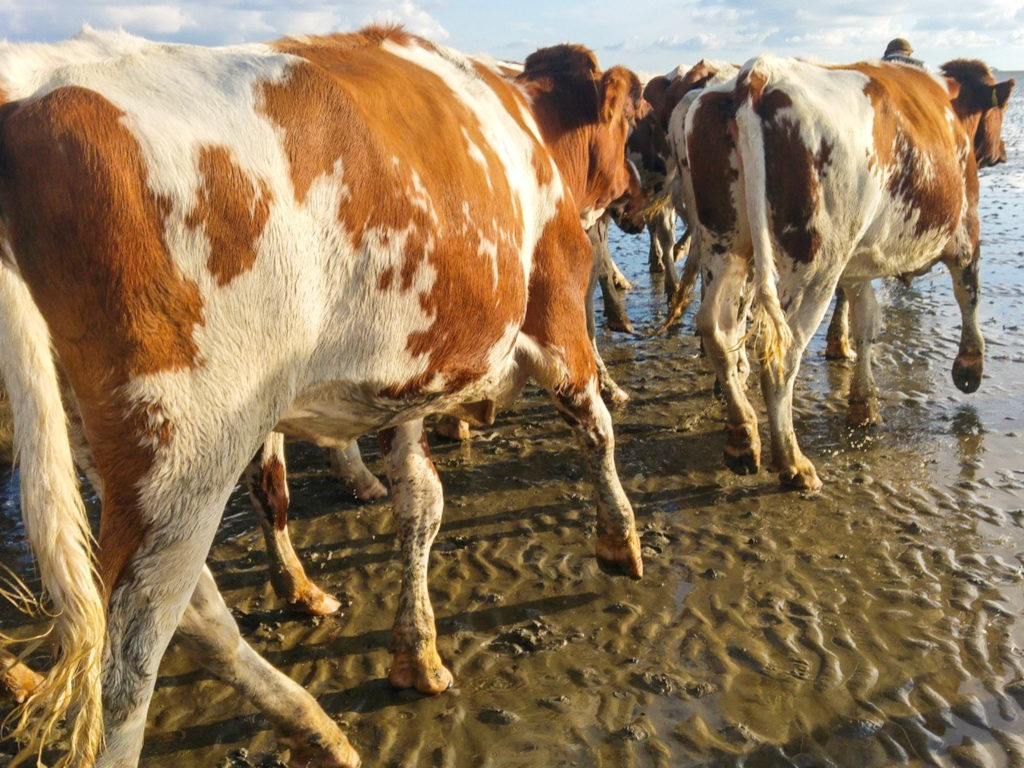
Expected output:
{"points": [[146, 19], [213, 21], [646, 34]]}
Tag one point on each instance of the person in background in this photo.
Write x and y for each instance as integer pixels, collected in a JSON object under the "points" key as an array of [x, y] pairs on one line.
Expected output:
{"points": [[901, 51]]}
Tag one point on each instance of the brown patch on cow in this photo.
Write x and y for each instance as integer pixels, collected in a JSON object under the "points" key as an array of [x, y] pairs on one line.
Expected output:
{"points": [[232, 209], [274, 491], [414, 126], [710, 147], [792, 176], [749, 86], [558, 285], [915, 147], [87, 233], [386, 278]]}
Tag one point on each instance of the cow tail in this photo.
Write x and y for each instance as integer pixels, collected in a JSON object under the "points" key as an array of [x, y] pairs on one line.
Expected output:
{"points": [[770, 327], [684, 289], [58, 532]]}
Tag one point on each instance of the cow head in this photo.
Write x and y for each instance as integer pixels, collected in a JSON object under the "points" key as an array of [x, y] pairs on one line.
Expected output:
{"points": [[585, 117], [980, 103]]}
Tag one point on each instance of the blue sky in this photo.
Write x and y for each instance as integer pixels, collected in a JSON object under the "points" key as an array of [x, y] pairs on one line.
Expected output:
{"points": [[648, 35]]}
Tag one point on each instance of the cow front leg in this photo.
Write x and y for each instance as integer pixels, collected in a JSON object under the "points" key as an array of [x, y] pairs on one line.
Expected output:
{"points": [[605, 272], [267, 481], [967, 368], [418, 504], [599, 272], [347, 465], [721, 321], [209, 634], [618, 545], [864, 322], [837, 340]]}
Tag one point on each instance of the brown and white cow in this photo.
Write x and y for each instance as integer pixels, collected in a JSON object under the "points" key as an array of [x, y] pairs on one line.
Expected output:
{"points": [[815, 176], [330, 235]]}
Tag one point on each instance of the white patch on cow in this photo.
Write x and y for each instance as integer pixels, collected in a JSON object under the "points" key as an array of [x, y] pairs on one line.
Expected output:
{"points": [[489, 250], [505, 139], [478, 156], [590, 216], [420, 197]]}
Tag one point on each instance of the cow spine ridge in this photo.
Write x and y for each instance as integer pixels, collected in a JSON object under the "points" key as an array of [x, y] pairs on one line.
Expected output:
{"points": [[58, 531], [770, 326]]}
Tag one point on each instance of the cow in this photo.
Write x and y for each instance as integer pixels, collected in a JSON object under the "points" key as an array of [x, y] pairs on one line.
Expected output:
{"points": [[808, 176], [324, 235]]}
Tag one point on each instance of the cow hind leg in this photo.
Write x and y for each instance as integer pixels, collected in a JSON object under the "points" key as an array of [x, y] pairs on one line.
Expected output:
{"points": [[864, 322], [580, 404], [268, 488], [152, 553], [664, 229], [837, 340], [347, 465], [418, 504], [618, 545], [209, 634], [721, 321], [967, 368], [804, 316]]}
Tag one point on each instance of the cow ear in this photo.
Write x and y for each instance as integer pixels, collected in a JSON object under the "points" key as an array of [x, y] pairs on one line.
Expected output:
{"points": [[620, 92], [953, 86], [1001, 92]]}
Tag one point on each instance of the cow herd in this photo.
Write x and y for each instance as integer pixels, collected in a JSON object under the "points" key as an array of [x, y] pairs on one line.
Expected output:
{"points": [[205, 250]]}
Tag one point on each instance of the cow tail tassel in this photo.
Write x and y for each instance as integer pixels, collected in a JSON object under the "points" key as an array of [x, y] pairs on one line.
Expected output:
{"points": [[61, 540]]}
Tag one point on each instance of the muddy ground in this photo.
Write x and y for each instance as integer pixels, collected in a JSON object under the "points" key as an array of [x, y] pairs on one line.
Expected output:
{"points": [[871, 624]]}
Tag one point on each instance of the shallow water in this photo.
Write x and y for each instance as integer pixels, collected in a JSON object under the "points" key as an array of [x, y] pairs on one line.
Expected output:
{"points": [[874, 623]]}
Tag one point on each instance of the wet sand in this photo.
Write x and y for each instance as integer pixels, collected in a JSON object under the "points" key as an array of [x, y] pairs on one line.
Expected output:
{"points": [[874, 623]]}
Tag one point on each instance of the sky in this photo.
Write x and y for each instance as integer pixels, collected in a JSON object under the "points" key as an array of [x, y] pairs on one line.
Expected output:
{"points": [[647, 35]]}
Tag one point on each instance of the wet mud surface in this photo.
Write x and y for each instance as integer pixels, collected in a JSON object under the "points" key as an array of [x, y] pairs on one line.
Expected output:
{"points": [[871, 624]]}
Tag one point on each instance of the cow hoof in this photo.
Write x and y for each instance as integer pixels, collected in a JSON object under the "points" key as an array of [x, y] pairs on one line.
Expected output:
{"points": [[314, 601], [317, 751], [863, 413], [622, 324], [616, 555], [801, 479], [452, 428], [425, 673], [376, 490], [742, 451], [967, 373], [746, 463], [621, 282], [839, 349], [613, 394]]}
